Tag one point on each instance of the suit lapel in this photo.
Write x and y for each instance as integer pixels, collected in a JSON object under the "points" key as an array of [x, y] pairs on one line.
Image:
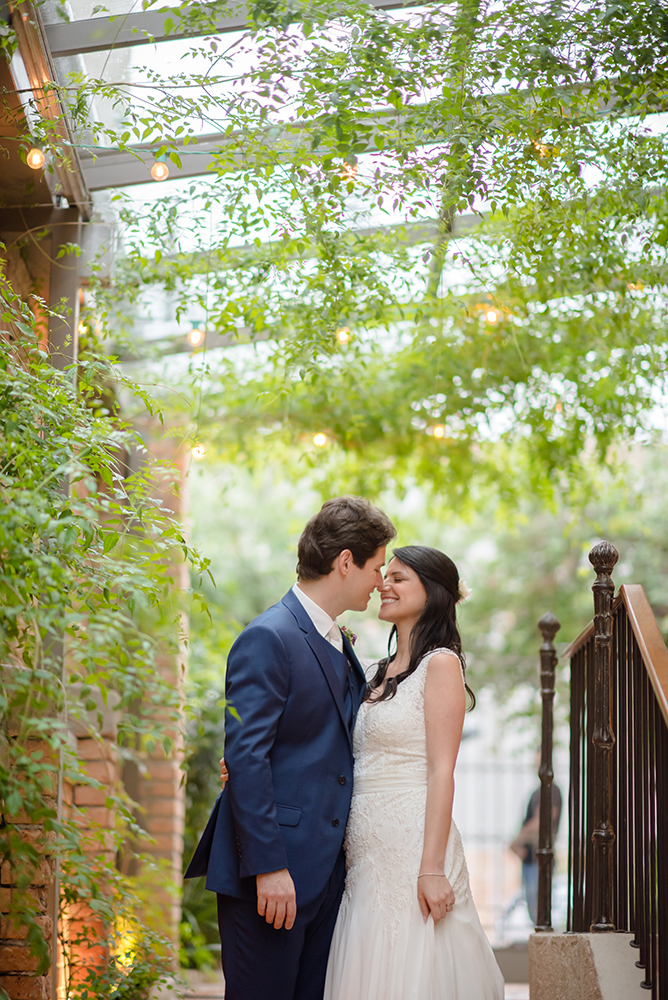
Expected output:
{"points": [[320, 648]]}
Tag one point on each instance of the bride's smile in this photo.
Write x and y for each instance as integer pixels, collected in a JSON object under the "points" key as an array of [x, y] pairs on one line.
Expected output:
{"points": [[402, 596]]}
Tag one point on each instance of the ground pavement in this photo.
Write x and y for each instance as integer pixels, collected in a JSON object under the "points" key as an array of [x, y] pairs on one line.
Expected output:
{"points": [[206, 988]]}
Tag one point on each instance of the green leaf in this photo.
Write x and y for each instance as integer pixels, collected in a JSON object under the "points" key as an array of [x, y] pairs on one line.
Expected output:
{"points": [[110, 540]]}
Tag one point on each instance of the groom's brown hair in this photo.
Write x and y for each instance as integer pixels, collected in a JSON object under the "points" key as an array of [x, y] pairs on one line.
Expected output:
{"points": [[342, 523]]}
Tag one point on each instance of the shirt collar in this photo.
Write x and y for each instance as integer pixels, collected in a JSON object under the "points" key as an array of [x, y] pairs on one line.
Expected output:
{"points": [[320, 618]]}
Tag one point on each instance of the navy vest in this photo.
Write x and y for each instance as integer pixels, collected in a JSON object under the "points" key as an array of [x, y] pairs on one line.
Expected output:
{"points": [[344, 672]]}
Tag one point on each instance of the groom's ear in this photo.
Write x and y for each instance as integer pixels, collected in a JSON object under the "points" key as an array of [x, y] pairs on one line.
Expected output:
{"points": [[344, 562]]}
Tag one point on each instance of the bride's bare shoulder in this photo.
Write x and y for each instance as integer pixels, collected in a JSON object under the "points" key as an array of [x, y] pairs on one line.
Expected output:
{"points": [[444, 664]]}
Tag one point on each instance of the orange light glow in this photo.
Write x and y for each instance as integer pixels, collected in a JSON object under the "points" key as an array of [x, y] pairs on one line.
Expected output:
{"points": [[159, 171], [35, 159], [196, 336]]}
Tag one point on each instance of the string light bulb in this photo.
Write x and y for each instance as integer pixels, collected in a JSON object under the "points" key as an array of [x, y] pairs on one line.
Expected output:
{"points": [[439, 431], [198, 451], [320, 440], [349, 170], [160, 170], [36, 158], [196, 336], [491, 316], [82, 328], [343, 335]]}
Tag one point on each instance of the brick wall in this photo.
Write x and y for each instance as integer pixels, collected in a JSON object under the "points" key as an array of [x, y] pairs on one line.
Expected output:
{"points": [[17, 965]]}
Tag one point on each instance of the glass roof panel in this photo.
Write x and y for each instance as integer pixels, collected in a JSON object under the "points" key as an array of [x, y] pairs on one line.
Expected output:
{"points": [[55, 11]]}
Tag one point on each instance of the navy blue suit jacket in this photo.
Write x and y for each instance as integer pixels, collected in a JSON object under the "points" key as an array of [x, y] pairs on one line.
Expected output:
{"points": [[290, 759]]}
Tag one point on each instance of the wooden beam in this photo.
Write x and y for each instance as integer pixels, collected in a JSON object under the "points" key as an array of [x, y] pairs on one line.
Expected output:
{"points": [[36, 58]]}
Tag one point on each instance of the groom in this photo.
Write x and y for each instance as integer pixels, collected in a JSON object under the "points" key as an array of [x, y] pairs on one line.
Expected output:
{"points": [[272, 849]]}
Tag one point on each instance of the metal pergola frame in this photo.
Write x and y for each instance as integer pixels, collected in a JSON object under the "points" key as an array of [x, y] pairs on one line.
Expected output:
{"points": [[98, 34]]}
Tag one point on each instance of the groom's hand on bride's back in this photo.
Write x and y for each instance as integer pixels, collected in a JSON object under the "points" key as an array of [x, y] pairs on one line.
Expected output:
{"points": [[276, 898]]}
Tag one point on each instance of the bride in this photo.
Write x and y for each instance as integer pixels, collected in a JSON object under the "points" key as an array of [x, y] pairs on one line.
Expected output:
{"points": [[407, 928]]}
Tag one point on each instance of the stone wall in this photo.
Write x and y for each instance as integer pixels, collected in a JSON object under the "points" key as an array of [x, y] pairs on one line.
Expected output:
{"points": [[584, 967]]}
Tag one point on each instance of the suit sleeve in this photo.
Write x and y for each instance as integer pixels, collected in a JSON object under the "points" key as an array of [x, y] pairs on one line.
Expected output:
{"points": [[257, 685]]}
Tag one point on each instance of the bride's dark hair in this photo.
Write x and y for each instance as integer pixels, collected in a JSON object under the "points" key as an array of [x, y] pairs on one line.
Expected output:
{"points": [[436, 628]]}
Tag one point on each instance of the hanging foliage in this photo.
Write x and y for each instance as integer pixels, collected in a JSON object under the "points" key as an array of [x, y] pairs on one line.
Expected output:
{"points": [[88, 601], [476, 192]]}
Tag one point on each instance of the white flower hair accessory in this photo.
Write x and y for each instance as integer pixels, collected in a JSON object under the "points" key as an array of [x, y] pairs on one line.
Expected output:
{"points": [[464, 590]]}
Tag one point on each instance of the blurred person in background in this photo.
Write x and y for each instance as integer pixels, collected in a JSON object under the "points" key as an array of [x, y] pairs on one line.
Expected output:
{"points": [[525, 845]]}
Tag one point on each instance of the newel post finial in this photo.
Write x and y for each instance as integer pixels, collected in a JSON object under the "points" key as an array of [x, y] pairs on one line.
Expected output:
{"points": [[548, 625], [603, 558]]}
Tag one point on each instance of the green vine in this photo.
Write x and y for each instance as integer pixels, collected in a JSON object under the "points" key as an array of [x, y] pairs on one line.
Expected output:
{"points": [[88, 601]]}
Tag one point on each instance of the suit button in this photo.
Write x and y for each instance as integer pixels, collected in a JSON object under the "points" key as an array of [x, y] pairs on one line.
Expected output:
{"points": [[335, 822], [342, 780]]}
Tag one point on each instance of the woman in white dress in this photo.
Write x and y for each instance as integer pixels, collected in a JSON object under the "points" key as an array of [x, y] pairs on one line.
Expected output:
{"points": [[407, 928]]}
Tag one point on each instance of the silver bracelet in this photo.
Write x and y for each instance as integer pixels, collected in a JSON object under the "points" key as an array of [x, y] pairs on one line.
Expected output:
{"points": [[437, 874]]}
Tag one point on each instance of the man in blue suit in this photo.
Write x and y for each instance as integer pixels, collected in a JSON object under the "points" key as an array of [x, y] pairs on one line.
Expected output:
{"points": [[272, 849]]}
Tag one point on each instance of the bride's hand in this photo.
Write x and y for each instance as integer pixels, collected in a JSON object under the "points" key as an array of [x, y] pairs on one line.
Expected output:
{"points": [[224, 774], [435, 896]]}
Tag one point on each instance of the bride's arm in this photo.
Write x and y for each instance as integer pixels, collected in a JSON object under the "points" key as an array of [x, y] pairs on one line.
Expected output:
{"points": [[444, 709]]}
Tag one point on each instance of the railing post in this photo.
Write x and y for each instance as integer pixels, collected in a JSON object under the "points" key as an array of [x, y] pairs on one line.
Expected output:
{"points": [[603, 558], [549, 626]]}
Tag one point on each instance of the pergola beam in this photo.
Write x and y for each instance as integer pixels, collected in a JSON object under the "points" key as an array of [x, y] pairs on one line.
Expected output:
{"points": [[116, 169], [98, 34]]}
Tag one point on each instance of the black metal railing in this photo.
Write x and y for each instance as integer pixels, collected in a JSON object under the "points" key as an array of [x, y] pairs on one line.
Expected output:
{"points": [[618, 799]]}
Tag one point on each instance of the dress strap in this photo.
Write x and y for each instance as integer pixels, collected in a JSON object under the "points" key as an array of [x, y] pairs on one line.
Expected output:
{"points": [[440, 649]]}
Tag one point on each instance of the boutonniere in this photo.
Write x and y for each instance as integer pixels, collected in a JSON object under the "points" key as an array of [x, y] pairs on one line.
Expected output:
{"points": [[349, 634]]}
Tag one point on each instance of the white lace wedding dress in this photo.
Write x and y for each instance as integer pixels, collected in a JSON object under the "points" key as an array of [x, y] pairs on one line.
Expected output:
{"points": [[382, 949]]}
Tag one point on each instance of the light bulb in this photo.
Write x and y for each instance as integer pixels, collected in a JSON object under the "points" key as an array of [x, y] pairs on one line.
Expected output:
{"points": [[343, 335], [198, 451], [196, 336], [319, 440], [159, 171], [491, 315], [439, 431], [35, 158], [82, 328]]}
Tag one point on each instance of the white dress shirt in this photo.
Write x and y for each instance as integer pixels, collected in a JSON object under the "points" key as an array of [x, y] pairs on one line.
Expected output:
{"points": [[324, 624]]}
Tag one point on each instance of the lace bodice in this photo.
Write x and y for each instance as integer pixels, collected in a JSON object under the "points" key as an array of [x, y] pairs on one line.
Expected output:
{"points": [[386, 825]]}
